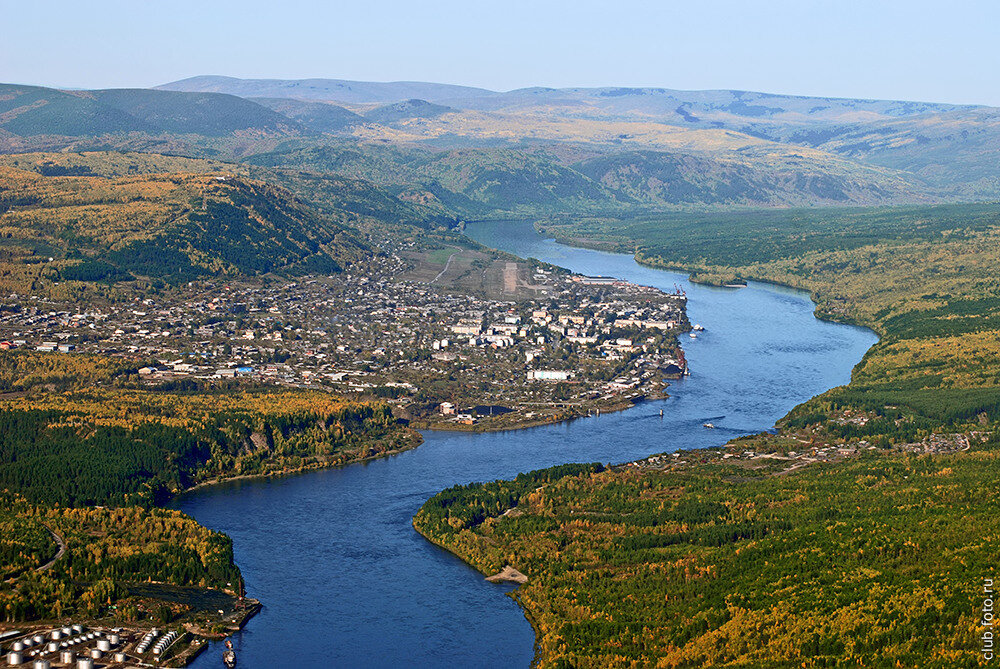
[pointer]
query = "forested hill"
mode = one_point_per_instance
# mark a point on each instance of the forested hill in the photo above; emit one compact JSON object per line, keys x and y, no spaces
{"x":33,"y":110}
{"x":62,"y":224}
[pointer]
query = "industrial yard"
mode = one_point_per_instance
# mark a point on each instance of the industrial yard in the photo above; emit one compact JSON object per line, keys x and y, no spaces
{"x":83,"y":647}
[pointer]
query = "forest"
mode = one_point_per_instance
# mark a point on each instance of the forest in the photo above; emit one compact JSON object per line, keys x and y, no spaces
{"x":107,"y":549}
{"x":107,"y":445}
{"x":720,"y":565}
{"x":75,"y":229}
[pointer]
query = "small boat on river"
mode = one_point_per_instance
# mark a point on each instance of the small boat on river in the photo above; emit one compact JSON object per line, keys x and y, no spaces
{"x":708,"y":425}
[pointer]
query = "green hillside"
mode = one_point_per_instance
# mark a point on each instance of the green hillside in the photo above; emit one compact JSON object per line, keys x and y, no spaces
{"x":30,"y":110}
{"x":407,"y":109}
{"x":83,"y":229}
{"x":316,"y":116}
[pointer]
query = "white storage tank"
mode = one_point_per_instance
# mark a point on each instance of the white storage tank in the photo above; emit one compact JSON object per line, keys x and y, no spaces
{"x":77,"y":628}
{"x":52,"y":647}
{"x":66,"y":631}
{"x":43,"y":664}
{"x":84,"y":663}
{"x":14,"y":658}
{"x":18,"y":645}
{"x":67,"y":657}
{"x":38,"y":638}
{"x":104,"y":644}
{"x":121,"y":657}
{"x":96,"y":653}
{"x":114,"y":639}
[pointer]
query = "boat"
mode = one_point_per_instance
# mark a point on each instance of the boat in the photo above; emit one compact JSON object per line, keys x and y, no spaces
{"x":692,"y":335}
{"x":229,"y":657}
{"x":698,"y":327}
{"x":708,"y":425}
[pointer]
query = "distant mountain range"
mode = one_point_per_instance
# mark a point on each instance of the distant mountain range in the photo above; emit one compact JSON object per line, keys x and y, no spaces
{"x":663,"y":103}
{"x":444,"y":150}
{"x":325,"y":89}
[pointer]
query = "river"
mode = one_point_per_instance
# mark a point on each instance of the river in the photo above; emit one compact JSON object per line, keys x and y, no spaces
{"x":347,"y":582}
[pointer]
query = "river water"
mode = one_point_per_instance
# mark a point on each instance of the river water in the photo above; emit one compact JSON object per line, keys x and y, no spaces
{"x":347,"y":582}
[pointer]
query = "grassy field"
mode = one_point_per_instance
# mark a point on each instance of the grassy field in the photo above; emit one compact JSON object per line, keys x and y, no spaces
{"x":471,"y":269}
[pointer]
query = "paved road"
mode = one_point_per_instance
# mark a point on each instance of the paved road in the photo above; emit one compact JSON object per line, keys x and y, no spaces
{"x":62,"y":549}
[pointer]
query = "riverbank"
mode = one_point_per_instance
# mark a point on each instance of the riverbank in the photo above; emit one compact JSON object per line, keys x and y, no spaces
{"x":715,"y":277}
{"x":515,"y":422}
{"x":677,"y":542}
{"x":414,"y":440}
{"x":352,"y":515}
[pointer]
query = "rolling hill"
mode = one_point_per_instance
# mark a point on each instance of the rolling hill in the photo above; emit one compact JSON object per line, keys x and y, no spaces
{"x":947,"y":151}
{"x":63,"y":221}
{"x":30,"y":110}
{"x":536,"y":180}
{"x":537,"y":151}
{"x":316,"y":116}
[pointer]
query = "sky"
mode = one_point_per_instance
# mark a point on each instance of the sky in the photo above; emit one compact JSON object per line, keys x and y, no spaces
{"x":913,"y":50}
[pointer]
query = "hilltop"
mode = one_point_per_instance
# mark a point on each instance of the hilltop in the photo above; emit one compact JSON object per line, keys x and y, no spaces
{"x":76,"y":222}
{"x":32,"y":110}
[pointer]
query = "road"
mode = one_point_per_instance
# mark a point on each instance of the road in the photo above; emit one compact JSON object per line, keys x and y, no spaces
{"x":446,"y":266}
{"x":62,"y":549}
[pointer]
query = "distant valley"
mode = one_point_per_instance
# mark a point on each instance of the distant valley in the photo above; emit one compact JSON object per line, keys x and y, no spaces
{"x":460,"y":152}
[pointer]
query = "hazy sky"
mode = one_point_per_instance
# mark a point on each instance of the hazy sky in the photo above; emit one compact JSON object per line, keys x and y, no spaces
{"x":913,"y":50}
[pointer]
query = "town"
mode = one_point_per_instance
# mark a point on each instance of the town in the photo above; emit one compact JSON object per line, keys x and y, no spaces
{"x":547,"y":346}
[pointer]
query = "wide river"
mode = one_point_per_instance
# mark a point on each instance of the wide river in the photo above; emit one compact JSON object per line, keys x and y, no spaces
{"x":347,"y":582}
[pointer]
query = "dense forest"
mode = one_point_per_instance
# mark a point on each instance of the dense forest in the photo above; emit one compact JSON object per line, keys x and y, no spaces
{"x":122,"y":445}
{"x":106,"y":550}
{"x":720,"y":565}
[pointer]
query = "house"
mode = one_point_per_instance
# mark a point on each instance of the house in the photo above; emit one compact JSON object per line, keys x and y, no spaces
{"x":549,"y":375}
{"x":447,"y":409}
